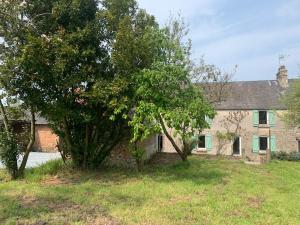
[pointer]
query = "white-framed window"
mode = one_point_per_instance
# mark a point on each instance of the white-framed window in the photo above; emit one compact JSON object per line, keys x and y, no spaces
{"x":263,"y":143}
{"x":263,"y":117}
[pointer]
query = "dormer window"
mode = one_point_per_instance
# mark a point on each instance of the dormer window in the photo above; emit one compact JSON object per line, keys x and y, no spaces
{"x":263,"y":117}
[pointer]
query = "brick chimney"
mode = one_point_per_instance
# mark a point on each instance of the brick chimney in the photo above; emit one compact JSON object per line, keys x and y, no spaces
{"x":282,"y":77}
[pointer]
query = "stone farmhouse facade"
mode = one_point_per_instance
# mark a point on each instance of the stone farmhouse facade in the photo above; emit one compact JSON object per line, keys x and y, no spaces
{"x":260,"y":129}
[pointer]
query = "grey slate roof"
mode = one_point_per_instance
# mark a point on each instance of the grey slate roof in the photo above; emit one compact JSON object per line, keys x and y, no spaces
{"x":39,"y":120}
{"x":259,"y":95}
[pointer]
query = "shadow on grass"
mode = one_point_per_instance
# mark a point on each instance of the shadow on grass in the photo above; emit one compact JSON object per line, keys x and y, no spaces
{"x":43,"y":209}
{"x":196,"y":170}
{"x":77,"y":198}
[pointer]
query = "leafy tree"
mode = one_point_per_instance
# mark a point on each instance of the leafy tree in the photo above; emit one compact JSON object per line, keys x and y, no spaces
{"x":168,"y":101}
{"x":13,"y":29}
{"x":292,"y":101}
{"x":73,"y":60}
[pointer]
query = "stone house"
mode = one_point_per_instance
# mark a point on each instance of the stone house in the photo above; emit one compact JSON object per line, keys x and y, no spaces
{"x":259,"y":128}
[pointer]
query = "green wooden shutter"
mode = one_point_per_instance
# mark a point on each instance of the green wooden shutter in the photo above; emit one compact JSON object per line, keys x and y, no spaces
{"x":273,"y":144}
{"x":208,"y":120}
{"x":255,"y":144}
{"x":255,"y":118}
{"x":272,"y":118}
{"x":208,"y":142}
{"x":194,"y":141}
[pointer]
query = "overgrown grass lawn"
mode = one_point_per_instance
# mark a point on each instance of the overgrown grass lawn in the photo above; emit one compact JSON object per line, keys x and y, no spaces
{"x":203,"y":191}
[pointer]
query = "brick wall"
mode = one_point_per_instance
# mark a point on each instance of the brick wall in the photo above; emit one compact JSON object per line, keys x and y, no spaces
{"x":45,"y":139}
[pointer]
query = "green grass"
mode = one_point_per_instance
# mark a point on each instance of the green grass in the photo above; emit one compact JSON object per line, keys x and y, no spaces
{"x":199,"y":192}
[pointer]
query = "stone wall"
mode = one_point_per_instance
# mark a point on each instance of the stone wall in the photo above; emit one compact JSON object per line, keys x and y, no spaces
{"x":120,"y":156}
{"x":286,"y":138}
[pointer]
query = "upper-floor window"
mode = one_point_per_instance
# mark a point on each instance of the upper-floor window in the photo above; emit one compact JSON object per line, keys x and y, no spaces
{"x":263,"y":117}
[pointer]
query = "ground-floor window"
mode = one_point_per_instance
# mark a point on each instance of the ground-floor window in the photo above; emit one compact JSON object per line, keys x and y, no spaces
{"x":298,"y":145}
{"x":201,"y":141}
{"x":263,"y":143}
{"x":237,"y":146}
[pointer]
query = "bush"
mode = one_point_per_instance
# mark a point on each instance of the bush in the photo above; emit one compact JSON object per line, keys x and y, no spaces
{"x":9,"y":153}
{"x":293,"y":156}
{"x":138,"y":154}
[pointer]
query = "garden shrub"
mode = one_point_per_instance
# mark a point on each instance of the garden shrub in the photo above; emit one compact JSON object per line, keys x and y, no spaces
{"x":138,"y":154}
{"x":9,"y":153}
{"x":293,"y":156}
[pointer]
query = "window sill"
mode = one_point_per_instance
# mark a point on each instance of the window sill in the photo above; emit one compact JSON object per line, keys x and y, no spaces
{"x":262,"y":152}
{"x":264,"y":125}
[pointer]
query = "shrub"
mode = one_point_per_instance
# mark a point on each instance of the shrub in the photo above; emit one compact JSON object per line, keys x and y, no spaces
{"x":293,"y":156}
{"x":9,"y":153}
{"x":138,"y":154}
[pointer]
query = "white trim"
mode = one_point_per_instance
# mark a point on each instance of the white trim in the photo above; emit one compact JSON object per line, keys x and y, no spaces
{"x":267,"y":112}
{"x":268,"y":142}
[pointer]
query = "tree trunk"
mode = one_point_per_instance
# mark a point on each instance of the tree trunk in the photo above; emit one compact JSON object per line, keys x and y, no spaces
{"x":30,"y":144}
{"x":5,"y":119}
{"x":176,"y":147}
{"x":86,"y":146}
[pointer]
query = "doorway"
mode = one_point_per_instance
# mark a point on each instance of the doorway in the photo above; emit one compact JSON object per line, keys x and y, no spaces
{"x":237,"y":146}
{"x":160,"y":143}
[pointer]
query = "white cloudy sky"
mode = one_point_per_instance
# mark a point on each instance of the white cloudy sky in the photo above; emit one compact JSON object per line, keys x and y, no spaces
{"x":248,"y":33}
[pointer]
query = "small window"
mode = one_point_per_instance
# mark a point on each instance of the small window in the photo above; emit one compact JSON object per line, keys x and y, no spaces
{"x":201,"y":142}
{"x":263,"y":118}
{"x":263,"y":143}
{"x":298,"y":145}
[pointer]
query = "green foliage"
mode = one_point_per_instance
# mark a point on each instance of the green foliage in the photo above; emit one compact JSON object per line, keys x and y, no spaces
{"x":138,"y":153}
{"x":190,"y":143}
{"x":166,"y":96}
{"x":292,"y":101}
{"x":227,"y":136}
{"x":9,"y":153}
{"x":293,"y":156}
{"x":82,"y":84}
{"x":53,"y":167}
